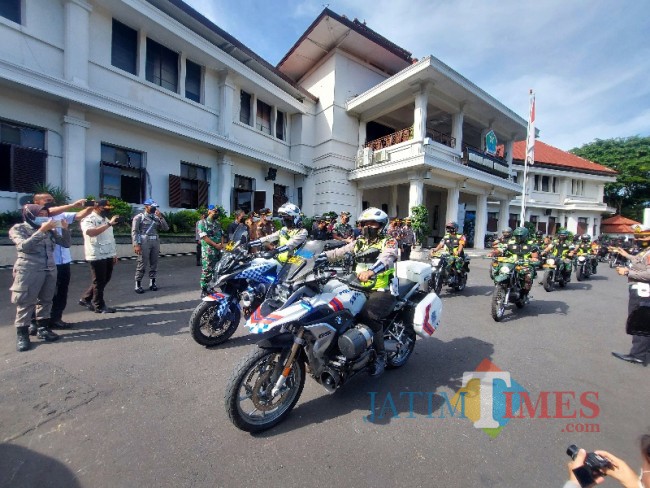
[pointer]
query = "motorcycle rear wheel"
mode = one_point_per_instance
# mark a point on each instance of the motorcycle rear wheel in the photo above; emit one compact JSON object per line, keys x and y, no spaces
{"x":208,"y":334}
{"x":248,"y":399}
{"x":548,"y":281}
{"x":580,"y":273}
{"x":437,"y":283}
{"x":498,"y":303}
{"x":405,"y":336}
{"x":462,"y":277}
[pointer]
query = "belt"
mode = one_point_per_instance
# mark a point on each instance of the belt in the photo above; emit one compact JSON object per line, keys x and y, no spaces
{"x":151,"y":238}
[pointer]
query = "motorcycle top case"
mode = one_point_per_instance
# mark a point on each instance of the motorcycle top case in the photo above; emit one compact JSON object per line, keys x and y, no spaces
{"x":413,"y":271}
{"x":426,"y":318}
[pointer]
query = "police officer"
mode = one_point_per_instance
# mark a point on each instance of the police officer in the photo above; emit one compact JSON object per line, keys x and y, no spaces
{"x":343,"y":231}
{"x":146,"y":242}
{"x":322,"y":232}
{"x":212,"y":243}
{"x":381,"y":301}
{"x":290,"y":236}
{"x":408,"y":240}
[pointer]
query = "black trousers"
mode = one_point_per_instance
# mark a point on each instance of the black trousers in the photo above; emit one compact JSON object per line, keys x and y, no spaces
{"x":101,"y":271}
{"x":379,"y":306}
{"x":406,"y":252}
{"x":60,"y":299}
{"x":637,"y":323}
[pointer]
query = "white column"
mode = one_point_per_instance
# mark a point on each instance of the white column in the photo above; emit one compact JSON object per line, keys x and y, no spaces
{"x":182,"y":73}
{"x":480,"y":225}
{"x":362,"y":133}
{"x":590,"y":226}
{"x":224,"y":181}
{"x":142,"y":54}
{"x":572,"y":223}
{"x":453,"y":194}
{"x":504,"y":214}
{"x":76,"y":41}
{"x":392,"y":207}
{"x":74,"y":154}
{"x":508,"y":156}
{"x":457,"y":129}
{"x":359,"y":204}
{"x":254,"y":111}
{"x":420,"y":114}
{"x":226,"y":103}
{"x":416,"y":193}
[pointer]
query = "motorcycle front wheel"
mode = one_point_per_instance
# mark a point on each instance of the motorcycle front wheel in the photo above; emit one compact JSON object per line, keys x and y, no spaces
{"x":580,"y":273}
{"x":498,"y":303}
{"x":548,"y":280}
{"x":248,"y":399}
{"x":437,"y":283}
{"x":461,"y":281}
{"x":208,"y":329}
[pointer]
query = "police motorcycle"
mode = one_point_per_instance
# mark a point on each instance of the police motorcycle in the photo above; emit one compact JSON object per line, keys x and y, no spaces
{"x":243,"y":279}
{"x":312,"y":327}
{"x":445,"y":272}
{"x":509,"y":282}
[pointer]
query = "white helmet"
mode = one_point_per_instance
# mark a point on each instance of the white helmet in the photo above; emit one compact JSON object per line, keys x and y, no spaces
{"x":373,"y":214}
{"x":290,"y":211}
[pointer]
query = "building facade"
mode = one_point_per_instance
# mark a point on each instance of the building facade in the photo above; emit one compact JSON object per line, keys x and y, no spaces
{"x":148,"y":98}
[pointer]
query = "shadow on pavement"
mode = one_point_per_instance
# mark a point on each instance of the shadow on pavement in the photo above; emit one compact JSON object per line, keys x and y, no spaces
{"x":21,"y":467}
{"x":444,"y":364}
{"x":469,"y":291}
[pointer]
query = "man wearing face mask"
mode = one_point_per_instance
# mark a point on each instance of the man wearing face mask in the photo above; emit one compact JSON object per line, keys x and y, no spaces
{"x":380,"y":301}
{"x":35,"y":272}
{"x":290,"y":236}
{"x":146,"y":243}
{"x":101,"y":254}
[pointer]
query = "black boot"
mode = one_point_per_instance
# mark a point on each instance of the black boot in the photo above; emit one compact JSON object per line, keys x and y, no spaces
{"x":378,"y":367}
{"x":33,"y":328}
{"x":138,"y":287}
{"x":44,"y":332}
{"x":22,"y":339}
{"x":152,"y":284}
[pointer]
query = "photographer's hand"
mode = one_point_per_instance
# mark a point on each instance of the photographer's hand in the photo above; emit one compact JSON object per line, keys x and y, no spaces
{"x":115,"y":219}
{"x":578,"y":462}
{"x":621,"y":471}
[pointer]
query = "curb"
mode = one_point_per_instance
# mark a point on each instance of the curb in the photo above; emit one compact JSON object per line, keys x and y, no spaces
{"x":126,"y":258}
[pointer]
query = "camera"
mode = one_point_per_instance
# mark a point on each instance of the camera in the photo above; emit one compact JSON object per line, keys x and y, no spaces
{"x":591,"y":469}
{"x":120,"y":220}
{"x":89,"y":203}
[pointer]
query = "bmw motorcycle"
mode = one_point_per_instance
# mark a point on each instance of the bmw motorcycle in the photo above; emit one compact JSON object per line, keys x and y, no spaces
{"x":445,"y":273}
{"x":243,"y":280}
{"x":556,"y":271}
{"x":509,"y":282}
{"x":314,"y":331}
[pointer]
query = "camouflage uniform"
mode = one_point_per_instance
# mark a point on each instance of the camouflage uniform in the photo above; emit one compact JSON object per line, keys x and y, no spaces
{"x":343,"y":230}
{"x":209,"y":255}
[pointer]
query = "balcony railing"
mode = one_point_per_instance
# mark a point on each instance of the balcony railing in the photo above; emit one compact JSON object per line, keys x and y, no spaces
{"x":391,"y":139}
{"x":441,"y":138}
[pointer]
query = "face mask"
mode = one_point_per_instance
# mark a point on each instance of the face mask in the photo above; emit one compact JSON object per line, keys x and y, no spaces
{"x":152,"y":210}
{"x":41,"y":220}
{"x":104,"y":213}
{"x":370,"y":233}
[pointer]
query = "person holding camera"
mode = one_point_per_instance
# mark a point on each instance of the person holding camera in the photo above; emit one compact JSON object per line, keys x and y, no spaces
{"x":62,"y":256}
{"x":101,"y":253}
{"x":35,"y":272}
{"x":589,"y":469}
{"x":146,"y":243}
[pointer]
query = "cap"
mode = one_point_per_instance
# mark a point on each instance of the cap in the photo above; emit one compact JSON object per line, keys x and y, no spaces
{"x":265,"y":211}
{"x":150,"y":203}
{"x":347,"y":214}
{"x":211,"y":207}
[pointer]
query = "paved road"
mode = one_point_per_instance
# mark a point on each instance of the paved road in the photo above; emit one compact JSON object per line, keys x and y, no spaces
{"x":130,"y":400}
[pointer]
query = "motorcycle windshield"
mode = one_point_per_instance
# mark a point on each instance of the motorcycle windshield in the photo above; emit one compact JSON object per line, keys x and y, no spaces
{"x":302,"y":262}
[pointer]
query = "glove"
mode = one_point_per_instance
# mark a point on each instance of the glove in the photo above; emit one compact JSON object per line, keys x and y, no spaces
{"x":321,"y":260}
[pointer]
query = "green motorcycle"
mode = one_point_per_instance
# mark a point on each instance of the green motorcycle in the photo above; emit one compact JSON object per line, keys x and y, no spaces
{"x":509,"y":286}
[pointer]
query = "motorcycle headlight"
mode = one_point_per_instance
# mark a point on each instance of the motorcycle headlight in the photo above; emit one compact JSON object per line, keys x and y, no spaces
{"x":550,"y":261}
{"x":581,"y":258}
{"x":504,"y":269}
{"x":435,"y":262}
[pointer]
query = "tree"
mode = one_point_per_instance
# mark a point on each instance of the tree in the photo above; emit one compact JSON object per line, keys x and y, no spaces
{"x":419,"y":219}
{"x":630,"y":156}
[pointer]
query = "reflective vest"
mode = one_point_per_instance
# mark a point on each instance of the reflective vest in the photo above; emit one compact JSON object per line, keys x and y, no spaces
{"x":285,"y":236}
{"x":561,"y":249}
{"x":522,"y":251}
{"x":383,"y":278}
{"x":452,"y":242}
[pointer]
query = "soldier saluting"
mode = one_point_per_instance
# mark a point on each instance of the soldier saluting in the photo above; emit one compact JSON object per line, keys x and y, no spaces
{"x":146,"y":242}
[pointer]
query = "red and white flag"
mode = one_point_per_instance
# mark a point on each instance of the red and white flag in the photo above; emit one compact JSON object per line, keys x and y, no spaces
{"x":530,"y":138}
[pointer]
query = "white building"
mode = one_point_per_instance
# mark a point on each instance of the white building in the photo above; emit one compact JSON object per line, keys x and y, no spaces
{"x":148,"y":98}
{"x":563,"y":190}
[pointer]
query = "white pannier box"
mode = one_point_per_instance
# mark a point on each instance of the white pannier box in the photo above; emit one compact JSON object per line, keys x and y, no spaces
{"x":414,"y":271}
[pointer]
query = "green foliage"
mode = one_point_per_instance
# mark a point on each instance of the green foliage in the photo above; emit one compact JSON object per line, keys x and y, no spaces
{"x":124,"y":210}
{"x":278,"y":225}
{"x":531,"y":226}
{"x":9,"y":219}
{"x":307,"y":222}
{"x":183,"y":221}
{"x":630,"y":156}
{"x":61,"y":197}
{"x":420,"y":222}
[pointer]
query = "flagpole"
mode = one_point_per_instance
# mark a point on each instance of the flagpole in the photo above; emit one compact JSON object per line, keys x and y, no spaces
{"x":530,"y":155}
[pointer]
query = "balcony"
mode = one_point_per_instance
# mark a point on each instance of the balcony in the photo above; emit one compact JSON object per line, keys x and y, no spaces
{"x":391,"y":139}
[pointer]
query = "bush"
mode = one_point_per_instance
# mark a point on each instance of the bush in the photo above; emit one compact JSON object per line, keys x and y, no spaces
{"x":419,"y":221}
{"x":9,"y":219}
{"x":61,"y":197}
{"x":183,"y":221}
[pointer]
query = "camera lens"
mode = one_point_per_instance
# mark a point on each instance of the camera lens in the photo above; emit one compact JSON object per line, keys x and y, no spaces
{"x":572,"y":451}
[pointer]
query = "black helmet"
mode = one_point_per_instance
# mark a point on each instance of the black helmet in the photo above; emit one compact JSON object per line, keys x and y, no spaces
{"x":585,"y":237}
{"x":451,"y":226}
{"x":563,"y":234}
{"x":520,"y":234}
{"x":539,"y":233}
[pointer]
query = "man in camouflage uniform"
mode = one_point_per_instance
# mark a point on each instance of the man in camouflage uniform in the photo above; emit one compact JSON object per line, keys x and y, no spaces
{"x":344,"y":231}
{"x":146,"y":243}
{"x":212,"y":242}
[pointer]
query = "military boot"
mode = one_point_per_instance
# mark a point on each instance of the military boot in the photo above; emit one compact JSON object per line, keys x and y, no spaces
{"x":377,"y":368}
{"x":22,"y":339}
{"x":44,"y":332}
{"x":152,"y":284}
{"x":138,"y":287}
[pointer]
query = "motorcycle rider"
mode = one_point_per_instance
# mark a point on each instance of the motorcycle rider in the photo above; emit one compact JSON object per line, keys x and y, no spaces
{"x":585,"y":248}
{"x":381,"y":301}
{"x":520,"y":249}
{"x":453,"y":243}
{"x":562,"y":249}
{"x":290,"y":236}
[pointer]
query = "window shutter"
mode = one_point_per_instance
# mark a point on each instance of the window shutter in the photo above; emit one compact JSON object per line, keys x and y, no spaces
{"x":202,"y":193}
{"x":259,"y":200}
{"x":174,"y":191}
{"x":28,"y":169}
